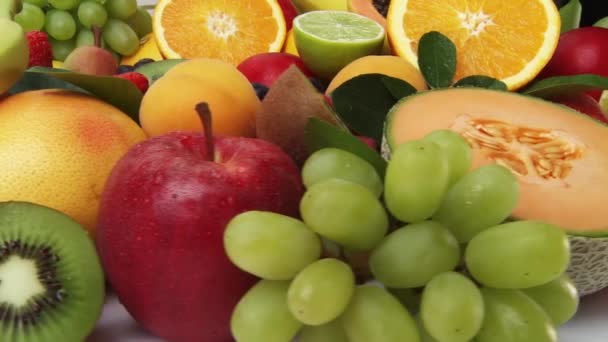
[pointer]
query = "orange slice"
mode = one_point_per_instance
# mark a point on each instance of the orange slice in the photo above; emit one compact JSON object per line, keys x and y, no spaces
{"x":508,"y":40}
{"x":227,"y":30}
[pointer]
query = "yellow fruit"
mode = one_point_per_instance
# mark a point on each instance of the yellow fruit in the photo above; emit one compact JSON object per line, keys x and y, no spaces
{"x":147,"y":49}
{"x":57,"y":149}
{"x":508,"y":40}
{"x":57,"y":64}
{"x":290,"y":44}
{"x":317,"y":5}
{"x":169,"y":103}
{"x":393,"y":66}
{"x":227,"y":30}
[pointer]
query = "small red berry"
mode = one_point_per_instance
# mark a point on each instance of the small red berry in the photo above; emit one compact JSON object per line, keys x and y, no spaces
{"x":136,"y":78}
{"x":41,"y":53}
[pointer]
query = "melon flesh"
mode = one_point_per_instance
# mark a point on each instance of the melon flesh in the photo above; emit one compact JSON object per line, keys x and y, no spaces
{"x":560,"y":156}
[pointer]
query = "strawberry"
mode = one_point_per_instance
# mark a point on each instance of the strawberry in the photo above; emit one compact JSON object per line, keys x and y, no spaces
{"x":136,"y":78}
{"x":41,"y":53}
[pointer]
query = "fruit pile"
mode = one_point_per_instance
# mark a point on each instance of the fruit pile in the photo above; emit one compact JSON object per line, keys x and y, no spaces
{"x":326,"y":170}
{"x":456,"y":263}
{"x":70,"y":24}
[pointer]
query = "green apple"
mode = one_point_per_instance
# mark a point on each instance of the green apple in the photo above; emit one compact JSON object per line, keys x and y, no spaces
{"x":14,"y":51}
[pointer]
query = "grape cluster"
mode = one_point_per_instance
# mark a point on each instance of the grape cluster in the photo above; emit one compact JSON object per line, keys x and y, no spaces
{"x":426,"y":253}
{"x":70,"y":23}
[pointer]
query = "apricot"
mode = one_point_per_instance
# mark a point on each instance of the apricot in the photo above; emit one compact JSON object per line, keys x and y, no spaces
{"x":393,"y":66}
{"x":169,"y":103}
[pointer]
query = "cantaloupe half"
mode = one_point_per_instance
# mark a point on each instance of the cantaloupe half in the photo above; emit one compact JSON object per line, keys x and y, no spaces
{"x":559,"y":155}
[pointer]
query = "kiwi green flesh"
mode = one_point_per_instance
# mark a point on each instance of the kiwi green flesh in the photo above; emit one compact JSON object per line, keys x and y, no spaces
{"x":51,"y":280}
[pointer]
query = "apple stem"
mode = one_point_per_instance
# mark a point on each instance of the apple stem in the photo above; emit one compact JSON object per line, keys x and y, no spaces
{"x":204,"y":113}
{"x":97,"y":35}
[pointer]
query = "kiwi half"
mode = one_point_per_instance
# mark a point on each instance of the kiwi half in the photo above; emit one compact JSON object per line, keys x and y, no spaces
{"x":51,"y":280}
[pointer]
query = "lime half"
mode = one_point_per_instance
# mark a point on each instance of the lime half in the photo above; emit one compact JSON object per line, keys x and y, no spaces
{"x":328,"y":40}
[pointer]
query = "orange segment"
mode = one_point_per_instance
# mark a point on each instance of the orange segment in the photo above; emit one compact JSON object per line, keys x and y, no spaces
{"x":226,"y":30}
{"x":508,"y":40}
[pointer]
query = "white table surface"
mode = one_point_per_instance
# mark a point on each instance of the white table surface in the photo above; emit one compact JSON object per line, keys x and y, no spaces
{"x":589,"y":325}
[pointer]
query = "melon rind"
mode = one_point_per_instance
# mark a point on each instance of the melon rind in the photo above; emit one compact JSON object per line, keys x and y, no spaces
{"x":588,"y":250}
{"x":588,"y":263}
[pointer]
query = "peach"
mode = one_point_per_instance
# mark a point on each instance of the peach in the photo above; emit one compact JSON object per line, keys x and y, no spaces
{"x":393,"y":66}
{"x":169,"y":103}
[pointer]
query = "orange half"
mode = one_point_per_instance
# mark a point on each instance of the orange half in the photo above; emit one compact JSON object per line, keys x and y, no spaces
{"x":508,"y":40}
{"x":227,"y":30}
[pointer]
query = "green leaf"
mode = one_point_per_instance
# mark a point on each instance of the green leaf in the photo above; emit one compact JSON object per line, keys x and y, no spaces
{"x":437,"y":59}
{"x":397,"y":87}
{"x":570,"y":15}
{"x":36,"y":81}
{"x":320,"y":134}
{"x":481,"y":81}
{"x":118,"y":92}
{"x":558,"y":85}
{"x":602,"y":22}
{"x":363,"y":101}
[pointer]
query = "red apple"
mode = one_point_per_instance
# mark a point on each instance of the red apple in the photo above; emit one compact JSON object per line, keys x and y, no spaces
{"x":583,"y":103}
{"x":265,"y":68}
{"x":289,"y":12}
{"x":580,"y":51}
{"x":161,"y":223}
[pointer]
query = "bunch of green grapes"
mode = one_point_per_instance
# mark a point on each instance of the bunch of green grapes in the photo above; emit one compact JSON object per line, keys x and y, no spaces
{"x":442,"y":261}
{"x":70,"y":23}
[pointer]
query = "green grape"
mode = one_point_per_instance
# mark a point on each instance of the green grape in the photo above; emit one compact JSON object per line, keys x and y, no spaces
{"x":457,"y":150}
{"x":85,"y":37}
{"x":375,"y":315}
{"x":64,"y":4}
{"x":416,"y":179}
{"x":270,"y":245}
{"x":321,"y":291}
{"x":518,"y":255}
{"x":424,"y":334}
{"x":481,"y":199}
{"x":262,"y":314}
{"x":121,"y":9}
{"x":328,"y":332}
{"x":451,"y":307}
{"x":92,"y":13}
{"x":344,"y":212}
{"x":559,"y":298}
{"x":120,"y":37}
{"x":412,"y":255}
{"x":31,"y":18}
{"x":410,"y":298}
{"x":62,"y":48}
{"x":511,"y":316}
{"x":60,"y":25}
{"x":331,"y":162}
{"x":140,"y":22}
{"x":37,"y":3}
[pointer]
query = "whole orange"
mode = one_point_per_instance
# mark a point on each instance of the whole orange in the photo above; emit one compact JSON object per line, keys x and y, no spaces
{"x":57,"y":149}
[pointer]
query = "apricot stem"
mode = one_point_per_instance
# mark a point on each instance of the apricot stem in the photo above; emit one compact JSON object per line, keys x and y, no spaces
{"x":204,"y":113}
{"x":96,"y":35}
